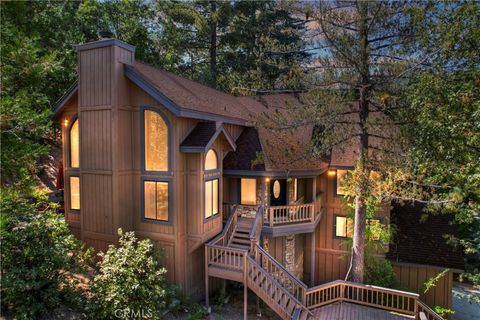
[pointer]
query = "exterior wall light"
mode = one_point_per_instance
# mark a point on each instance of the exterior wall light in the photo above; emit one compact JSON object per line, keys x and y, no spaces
{"x":267,"y":179}
{"x":332,"y":172}
{"x":65,"y":123}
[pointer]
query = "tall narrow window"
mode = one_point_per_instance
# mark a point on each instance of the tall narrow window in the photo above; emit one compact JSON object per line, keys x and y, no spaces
{"x":156,"y":200}
{"x":248,"y":191}
{"x":211,"y":160}
{"x":340,"y":189}
{"x":343,"y":227}
{"x":156,"y":142}
{"x":211,"y":198}
{"x":74,"y":193}
{"x":74,"y":145}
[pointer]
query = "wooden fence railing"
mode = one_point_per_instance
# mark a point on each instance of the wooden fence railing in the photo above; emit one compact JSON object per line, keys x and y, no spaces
{"x":294,"y":213}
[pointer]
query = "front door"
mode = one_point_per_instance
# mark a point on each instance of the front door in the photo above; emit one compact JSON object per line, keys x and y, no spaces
{"x":278,"y":192}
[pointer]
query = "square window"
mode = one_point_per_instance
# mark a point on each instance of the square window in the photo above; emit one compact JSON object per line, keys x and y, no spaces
{"x":156,"y":200}
{"x":343,"y":227}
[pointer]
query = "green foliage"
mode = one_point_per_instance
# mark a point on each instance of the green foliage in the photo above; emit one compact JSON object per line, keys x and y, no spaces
{"x":379,"y":272}
{"x":443,"y":312}
{"x":197,"y":311}
{"x":443,"y":116}
{"x":37,"y":251}
{"x":239,"y":47}
{"x":432,"y":282}
{"x":129,"y":279}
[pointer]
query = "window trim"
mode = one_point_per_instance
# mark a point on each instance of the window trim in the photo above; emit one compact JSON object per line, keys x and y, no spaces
{"x":69,"y":193}
{"x":218,"y":214}
{"x":169,"y":221}
{"x":69,"y":146}
{"x":335,"y":215}
{"x":142,"y":138}
{"x":335,"y":194}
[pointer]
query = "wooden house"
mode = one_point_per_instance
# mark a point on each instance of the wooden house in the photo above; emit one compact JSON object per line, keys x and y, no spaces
{"x":177,"y":162}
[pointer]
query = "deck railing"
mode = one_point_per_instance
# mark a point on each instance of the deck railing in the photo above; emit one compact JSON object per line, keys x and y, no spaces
{"x":372,"y":296}
{"x":226,"y":257}
{"x":294,"y":213}
{"x":223,"y":238}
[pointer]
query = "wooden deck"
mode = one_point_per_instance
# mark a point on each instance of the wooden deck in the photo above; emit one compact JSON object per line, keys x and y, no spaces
{"x":350,"y":311}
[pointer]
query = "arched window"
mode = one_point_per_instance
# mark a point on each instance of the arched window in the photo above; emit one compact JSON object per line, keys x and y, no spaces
{"x":74,"y":138}
{"x":156,"y":142}
{"x":211,"y":162}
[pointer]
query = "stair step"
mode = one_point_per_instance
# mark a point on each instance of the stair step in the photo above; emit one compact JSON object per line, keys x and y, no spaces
{"x":241,"y":234}
{"x":240,"y":240}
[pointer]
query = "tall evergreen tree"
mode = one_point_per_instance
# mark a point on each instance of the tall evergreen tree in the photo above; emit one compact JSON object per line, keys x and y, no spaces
{"x":239,"y":47}
{"x":352,"y":96}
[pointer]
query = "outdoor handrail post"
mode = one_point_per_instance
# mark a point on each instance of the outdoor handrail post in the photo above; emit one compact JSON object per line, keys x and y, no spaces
{"x":312,"y":213}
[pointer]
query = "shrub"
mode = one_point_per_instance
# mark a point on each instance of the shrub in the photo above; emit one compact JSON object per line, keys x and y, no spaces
{"x":379,"y":272}
{"x":37,"y":249}
{"x":130,"y":282}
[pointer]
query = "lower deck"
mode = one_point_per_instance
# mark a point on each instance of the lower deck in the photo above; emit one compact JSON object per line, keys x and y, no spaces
{"x":350,"y":311}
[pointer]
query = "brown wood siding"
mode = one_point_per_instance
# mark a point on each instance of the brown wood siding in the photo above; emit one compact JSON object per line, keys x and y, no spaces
{"x":96,"y":140}
{"x":412,"y":277}
{"x":97,"y":215}
{"x":96,"y":77}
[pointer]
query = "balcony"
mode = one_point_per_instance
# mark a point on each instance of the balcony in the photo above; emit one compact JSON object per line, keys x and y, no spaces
{"x":292,"y":219}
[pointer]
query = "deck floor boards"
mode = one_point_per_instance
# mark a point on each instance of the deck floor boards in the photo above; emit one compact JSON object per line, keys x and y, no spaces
{"x":350,"y":311}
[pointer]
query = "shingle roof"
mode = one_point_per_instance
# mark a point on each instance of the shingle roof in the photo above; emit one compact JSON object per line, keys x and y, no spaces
{"x":200,"y":135}
{"x":191,"y":95}
{"x":248,"y":145}
{"x":201,"y":138}
{"x":423,"y":242}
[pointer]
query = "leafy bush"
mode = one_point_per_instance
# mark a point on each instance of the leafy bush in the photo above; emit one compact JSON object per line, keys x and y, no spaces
{"x":130,"y":282}
{"x":37,"y":250}
{"x":379,"y":272}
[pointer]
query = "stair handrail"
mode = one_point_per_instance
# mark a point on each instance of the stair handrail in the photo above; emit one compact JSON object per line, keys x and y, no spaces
{"x":231,"y":222}
{"x":426,"y":311}
{"x":279,"y":285}
{"x":256,"y":227}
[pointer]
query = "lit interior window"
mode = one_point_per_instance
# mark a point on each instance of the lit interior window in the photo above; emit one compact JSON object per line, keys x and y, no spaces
{"x":211,"y":198}
{"x":211,"y":160}
{"x":156,"y":200}
{"x":248,"y":191}
{"x":75,"y":193}
{"x":340,"y":176}
{"x":343,"y":227}
{"x":156,"y":142}
{"x":74,"y":145}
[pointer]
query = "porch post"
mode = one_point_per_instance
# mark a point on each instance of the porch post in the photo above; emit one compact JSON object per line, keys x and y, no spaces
{"x":312,"y":260}
{"x":207,"y":302}
{"x":245,"y":287}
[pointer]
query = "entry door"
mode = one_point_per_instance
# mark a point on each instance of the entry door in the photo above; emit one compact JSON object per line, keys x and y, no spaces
{"x":278,"y":192}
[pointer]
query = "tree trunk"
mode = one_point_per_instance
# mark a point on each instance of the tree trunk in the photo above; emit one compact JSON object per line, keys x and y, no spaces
{"x":213,"y":44}
{"x":361,"y":188}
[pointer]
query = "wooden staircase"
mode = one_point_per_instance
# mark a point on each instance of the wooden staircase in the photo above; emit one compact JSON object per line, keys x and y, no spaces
{"x":241,"y":235}
{"x":236,"y":255}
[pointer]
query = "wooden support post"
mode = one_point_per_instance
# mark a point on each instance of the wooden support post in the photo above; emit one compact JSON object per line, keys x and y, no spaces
{"x":245,"y":287}
{"x":312,"y":260}
{"x":207,"y":302}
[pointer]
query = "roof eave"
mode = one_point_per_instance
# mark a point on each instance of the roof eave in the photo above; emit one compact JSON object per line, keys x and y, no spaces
{"x":64,"y":99}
